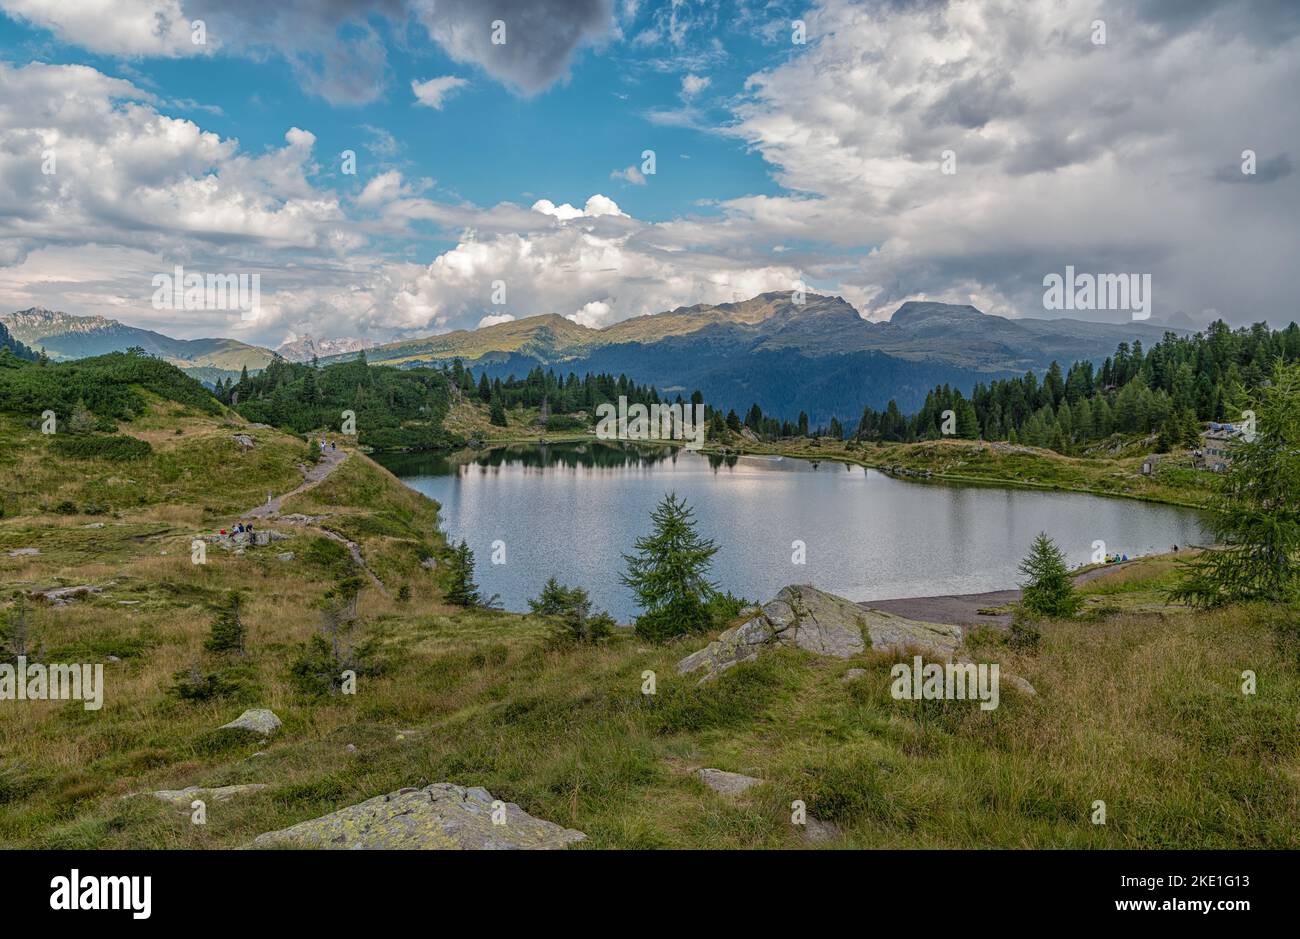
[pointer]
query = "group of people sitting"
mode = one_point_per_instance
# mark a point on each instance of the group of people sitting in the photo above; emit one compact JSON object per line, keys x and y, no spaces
{"x":240,"y":528}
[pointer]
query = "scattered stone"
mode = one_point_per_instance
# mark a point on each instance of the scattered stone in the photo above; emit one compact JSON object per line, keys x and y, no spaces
{"x":351,"y":748}
{"x":257,"y":720}
{"x":24,"y":552}
{"x":728,"y":784}
{"x":94,"y":525}
{"x":441,"y":816}
{"x":823,"y":624}
{"x":854,"y":674}
{"x":112,"y":658}
{"x":285,"y":556}
{"x":181,"y":798}
{"x":429,"y":563}
{"x":817,"y":831}
{"x":1020,"y":684}
{"x":244,"y":441}
{"x":297,"y":518}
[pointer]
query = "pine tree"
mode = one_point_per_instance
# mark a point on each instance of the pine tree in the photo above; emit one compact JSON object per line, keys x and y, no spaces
{"x":1256,"y":517}
{"x":669,"y":574}
{"x":1048,"y":589}
{"x":569,"y":610}
{"x":228,"y":634}
{"x":497,"y":414}
{"x":15,"y":633}
{"x":461,"y":589}
{"x":310,"y":393}
{"x":968,"y":422}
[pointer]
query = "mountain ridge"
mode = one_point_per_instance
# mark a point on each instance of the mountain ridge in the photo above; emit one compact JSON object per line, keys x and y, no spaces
{"x":66,"y":336}
{"x":818,"y":355}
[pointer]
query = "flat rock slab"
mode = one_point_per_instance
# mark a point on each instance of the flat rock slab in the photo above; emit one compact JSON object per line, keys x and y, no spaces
{"x":728,"y":784}
{"x":257,"y":720}
{"x":821,"y":623}
{"x":438,"y":817}
{"x":181,"y":798}
{"x":62,"y":596}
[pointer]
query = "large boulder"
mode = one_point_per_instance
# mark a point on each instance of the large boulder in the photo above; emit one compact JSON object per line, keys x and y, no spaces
{"x":437,"y":817}
{"x":821,"y":623}
{"x":261,"y":721}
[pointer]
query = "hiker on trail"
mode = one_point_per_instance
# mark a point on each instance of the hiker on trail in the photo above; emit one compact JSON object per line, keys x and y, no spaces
{"x":334,"y":446}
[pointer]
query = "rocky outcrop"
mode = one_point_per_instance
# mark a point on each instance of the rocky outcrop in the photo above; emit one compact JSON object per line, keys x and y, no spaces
{"x":241,"y":540}
{"x":62,"y":596}
{"x":438,"y":817}
{"x":824,"y":624}
{"x":259,"y":721}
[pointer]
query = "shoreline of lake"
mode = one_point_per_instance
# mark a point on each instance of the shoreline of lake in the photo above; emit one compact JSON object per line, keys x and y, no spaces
{"x":571,"y":510}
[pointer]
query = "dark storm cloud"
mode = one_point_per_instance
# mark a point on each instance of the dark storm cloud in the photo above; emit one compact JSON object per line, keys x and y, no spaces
{"x":1264,"y":21}
{"x":541,"y":36}
{"x":1268,"y":170}
{"x":334,"y":49}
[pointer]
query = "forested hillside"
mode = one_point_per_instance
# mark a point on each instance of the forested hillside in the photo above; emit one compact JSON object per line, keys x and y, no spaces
{"x":391,"y":408}
{"x":1168,"y":389}
{"x":109,"y":386}
{"x":13,"y":346}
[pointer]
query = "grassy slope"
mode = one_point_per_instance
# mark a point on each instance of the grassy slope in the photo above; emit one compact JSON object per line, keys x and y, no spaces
{"x":1138,"y":708}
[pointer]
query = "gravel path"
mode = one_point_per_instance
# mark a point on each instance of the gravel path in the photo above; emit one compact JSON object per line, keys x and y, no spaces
{"x":330,"y":461}
{"x":962,"y":609}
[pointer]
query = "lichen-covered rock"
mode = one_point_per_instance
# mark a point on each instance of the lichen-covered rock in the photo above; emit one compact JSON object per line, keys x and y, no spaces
{"x":821,"y":623}
{"x":257,"y":720}
{"x":181,"y":798}
{"x":727,"y":784}
{"x":438,"y":817}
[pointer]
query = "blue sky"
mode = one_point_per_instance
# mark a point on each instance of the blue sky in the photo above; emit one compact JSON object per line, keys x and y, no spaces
{"x":486,"y":144}
{"x":778,"y":162}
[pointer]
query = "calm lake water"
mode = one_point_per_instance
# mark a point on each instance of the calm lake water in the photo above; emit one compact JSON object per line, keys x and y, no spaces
{"x":571,"y":510}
